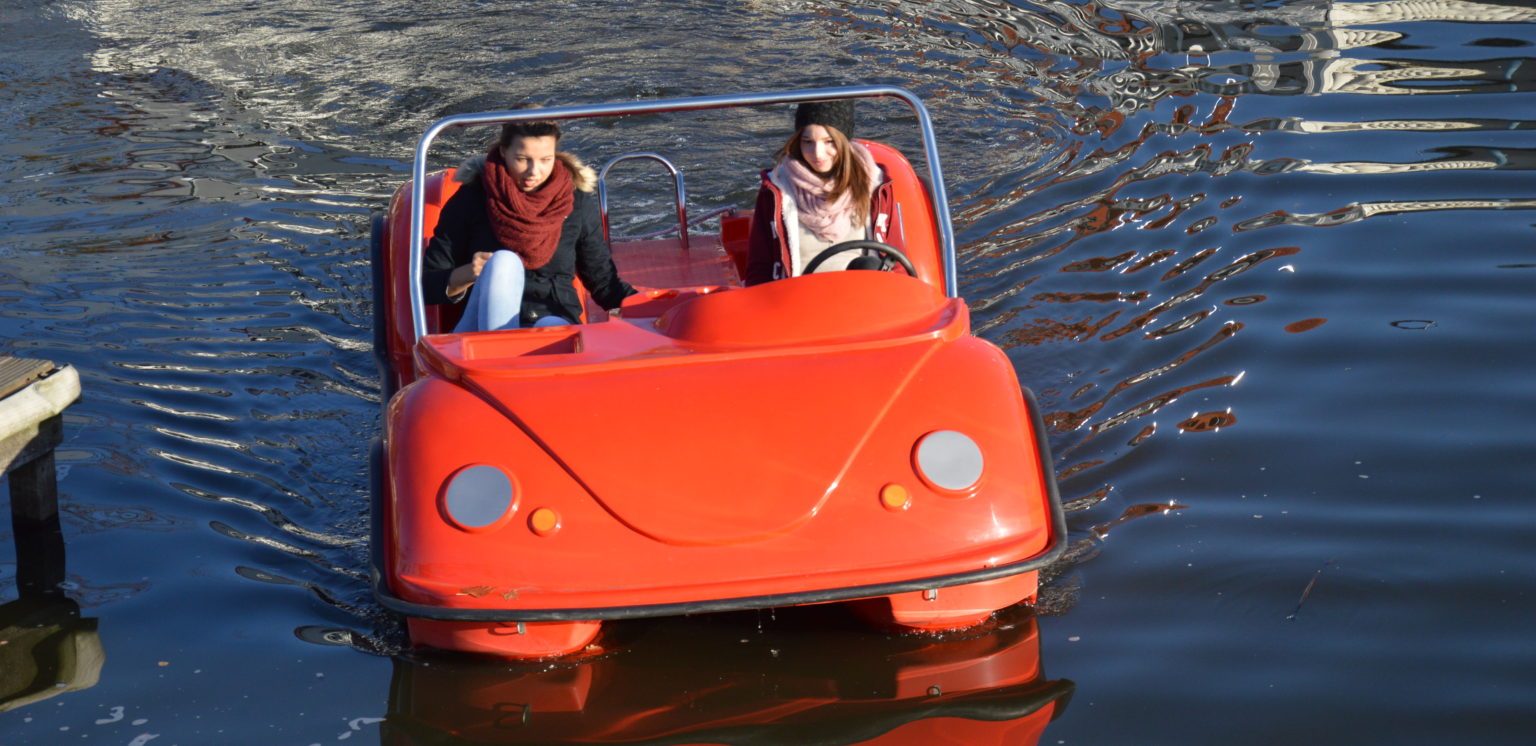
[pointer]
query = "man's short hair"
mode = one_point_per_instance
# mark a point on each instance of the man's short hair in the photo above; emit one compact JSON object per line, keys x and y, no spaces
{"x":535,"y":128}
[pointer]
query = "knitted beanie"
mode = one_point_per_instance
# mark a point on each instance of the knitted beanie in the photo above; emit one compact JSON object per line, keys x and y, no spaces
{"x":835,"y":114}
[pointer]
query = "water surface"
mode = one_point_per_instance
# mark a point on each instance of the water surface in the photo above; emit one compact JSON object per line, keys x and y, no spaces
{"x":1271,"y":262}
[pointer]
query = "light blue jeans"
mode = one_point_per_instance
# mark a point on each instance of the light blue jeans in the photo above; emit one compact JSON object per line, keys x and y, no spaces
{"x":496,"y":298}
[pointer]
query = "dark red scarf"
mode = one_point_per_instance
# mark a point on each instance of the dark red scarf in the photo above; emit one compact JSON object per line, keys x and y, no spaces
{"x":527,"y":223}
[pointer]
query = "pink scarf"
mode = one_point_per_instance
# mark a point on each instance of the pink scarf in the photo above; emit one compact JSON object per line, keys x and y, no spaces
{"x":827,"y":221}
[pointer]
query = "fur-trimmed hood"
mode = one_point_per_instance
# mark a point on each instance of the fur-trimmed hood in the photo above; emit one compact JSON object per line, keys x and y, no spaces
{"x":582,"y":175}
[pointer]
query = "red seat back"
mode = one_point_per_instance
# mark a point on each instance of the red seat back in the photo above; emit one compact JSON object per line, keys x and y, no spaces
{"x":915,"y":229}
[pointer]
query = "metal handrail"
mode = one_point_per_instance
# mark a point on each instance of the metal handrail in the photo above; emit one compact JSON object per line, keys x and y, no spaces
{"x":677,"y":183}
{"x":693,"y":221}
{"x":698,"y":103}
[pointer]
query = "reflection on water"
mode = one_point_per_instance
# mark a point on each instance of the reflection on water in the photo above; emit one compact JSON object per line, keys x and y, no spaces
{"x":47,"y":648}
{"x":1305,"y":325}
{"x":1137,"y":184}
{"x":808,"y":676}
{"x":1208,"y":422}
{"x":1134,"y":512}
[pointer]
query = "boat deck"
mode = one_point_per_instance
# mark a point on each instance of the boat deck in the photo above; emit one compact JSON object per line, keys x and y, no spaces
{"x":664,"y":263}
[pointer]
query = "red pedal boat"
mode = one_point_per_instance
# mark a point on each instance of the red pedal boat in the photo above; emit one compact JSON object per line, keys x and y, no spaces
{"x":829,"y":437}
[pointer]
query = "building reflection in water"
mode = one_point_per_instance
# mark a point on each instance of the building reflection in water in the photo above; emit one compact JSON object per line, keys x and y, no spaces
{"x":1293,"y":48}
{"x":811,"y":676}
{"x":1273,"y":48}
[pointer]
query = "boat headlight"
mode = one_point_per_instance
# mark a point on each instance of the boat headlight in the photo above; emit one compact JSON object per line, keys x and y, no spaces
{"x":949,"y":462}
{"x":479,"y":498}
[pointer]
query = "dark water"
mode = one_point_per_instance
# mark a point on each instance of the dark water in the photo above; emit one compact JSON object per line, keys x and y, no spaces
{"x":1272,"y":262}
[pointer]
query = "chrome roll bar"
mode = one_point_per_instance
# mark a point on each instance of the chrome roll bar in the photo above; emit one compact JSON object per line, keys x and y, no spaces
{"x":698,"y":103}
{"x":677,"y":182}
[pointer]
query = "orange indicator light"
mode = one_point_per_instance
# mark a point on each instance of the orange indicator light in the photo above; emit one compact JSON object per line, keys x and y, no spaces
{"x":544,"y":522}
{"x":894,"y":497}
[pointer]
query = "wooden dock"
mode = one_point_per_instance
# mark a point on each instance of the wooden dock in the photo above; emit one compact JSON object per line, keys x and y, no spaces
{"x":46,"y":648}
{"x":33,"y":395}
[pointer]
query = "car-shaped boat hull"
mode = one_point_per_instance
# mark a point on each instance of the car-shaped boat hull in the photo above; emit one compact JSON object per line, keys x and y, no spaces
{"x":717,"y":448}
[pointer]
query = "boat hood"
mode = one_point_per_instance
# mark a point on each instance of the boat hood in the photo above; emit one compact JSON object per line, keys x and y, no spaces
{"x":713,"y":452}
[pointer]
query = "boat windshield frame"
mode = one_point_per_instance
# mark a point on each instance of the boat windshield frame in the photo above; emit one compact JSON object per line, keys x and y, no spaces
{"x":660,"y":106}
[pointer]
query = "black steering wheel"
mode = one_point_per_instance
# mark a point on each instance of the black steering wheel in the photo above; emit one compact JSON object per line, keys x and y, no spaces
{"x":887,"y":251}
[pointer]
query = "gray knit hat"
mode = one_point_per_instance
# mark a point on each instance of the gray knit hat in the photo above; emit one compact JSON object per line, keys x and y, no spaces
{"x":835,"y":114}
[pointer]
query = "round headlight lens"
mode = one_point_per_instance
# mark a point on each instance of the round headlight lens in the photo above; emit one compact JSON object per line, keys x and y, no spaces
{"x":478,"y":496}
{"x":949,"y":460}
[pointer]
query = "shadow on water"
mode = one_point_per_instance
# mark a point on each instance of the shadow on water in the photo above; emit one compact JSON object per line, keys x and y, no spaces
{"x":1266,"y":260}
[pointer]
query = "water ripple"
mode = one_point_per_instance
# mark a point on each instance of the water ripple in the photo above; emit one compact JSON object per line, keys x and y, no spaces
{"x":185,"y":189}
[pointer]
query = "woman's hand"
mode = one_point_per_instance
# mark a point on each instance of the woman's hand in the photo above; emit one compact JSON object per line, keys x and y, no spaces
{"x":465,"y":275}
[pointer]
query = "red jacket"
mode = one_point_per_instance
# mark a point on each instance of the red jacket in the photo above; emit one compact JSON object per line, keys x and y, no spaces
{"x":768,"y":251}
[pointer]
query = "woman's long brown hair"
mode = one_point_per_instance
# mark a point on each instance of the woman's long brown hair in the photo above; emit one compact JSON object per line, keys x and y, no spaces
{"x":847,"y":175}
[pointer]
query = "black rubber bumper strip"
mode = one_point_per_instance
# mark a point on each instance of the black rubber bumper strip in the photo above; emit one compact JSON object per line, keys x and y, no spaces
{"x":394,"y":603}
{"x":381,"y":358}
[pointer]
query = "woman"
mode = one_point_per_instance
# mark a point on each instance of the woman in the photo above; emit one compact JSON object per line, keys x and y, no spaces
{"x":826,"y":189}
{"x":512,"y":239}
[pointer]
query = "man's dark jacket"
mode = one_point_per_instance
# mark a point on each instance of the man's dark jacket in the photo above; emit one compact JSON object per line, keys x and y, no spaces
{"x":463,"y":228}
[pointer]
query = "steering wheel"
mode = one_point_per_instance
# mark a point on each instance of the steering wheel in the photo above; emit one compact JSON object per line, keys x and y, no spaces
{"x":890,"y":252}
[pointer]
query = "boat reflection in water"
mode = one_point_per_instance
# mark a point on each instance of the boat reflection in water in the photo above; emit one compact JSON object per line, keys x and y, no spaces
{"x":810,"y":676}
